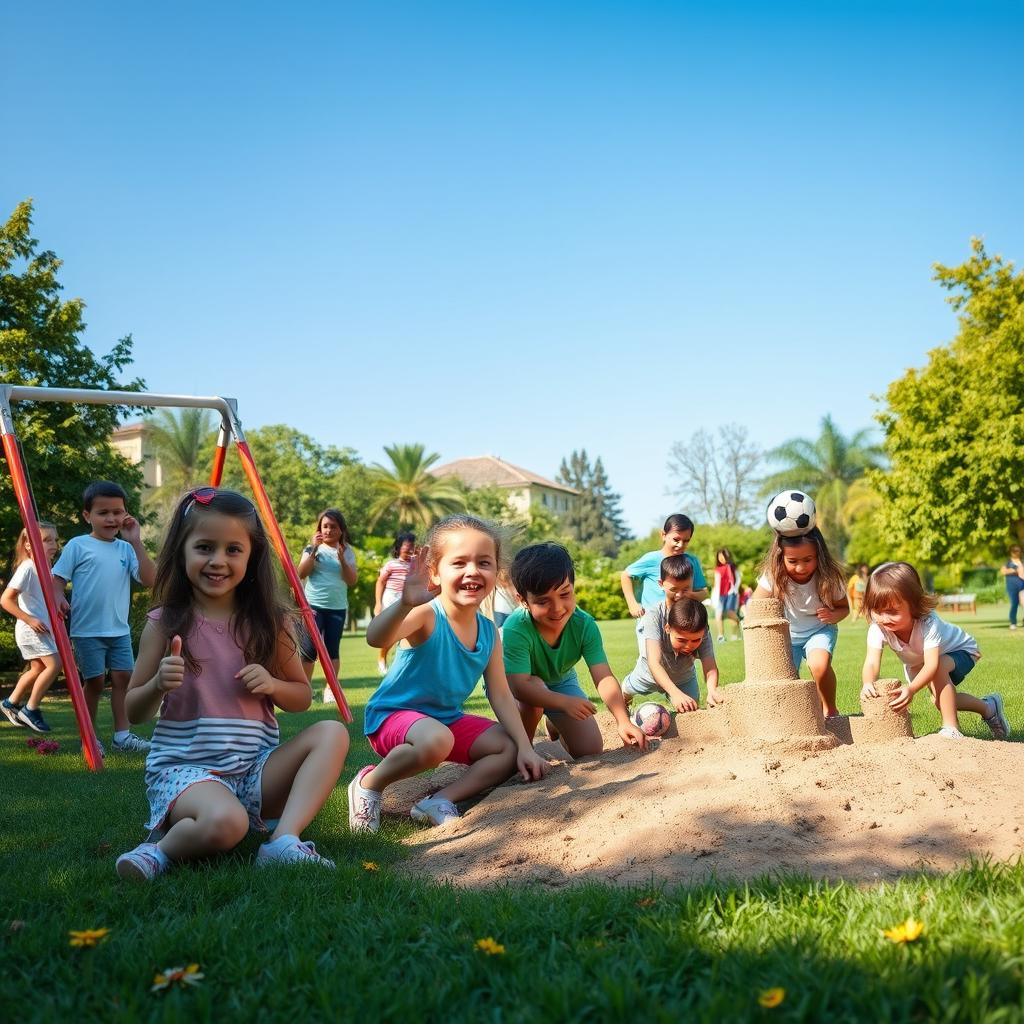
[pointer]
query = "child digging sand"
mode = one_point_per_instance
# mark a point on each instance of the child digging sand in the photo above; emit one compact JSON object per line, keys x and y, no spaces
{"x":544,"y":640}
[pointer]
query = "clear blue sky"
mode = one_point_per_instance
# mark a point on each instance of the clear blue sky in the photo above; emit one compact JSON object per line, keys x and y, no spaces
{"x":520,"y":228}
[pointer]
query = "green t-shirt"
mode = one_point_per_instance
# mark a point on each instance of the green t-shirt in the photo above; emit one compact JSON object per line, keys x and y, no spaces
{"x":528,"y":653}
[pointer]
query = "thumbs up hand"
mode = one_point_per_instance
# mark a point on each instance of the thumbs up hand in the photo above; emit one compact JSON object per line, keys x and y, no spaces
{"x":171,"y":673}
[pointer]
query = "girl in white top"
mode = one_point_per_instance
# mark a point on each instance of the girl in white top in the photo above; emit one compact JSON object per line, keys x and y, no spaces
{"x":23,"y":599}
{"x":934,"y":653}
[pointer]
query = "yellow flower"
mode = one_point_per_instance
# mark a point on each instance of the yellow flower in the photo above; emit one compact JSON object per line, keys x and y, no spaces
{"x":88,"y":937}
{"x":183,"y":976}
{"x":909,"y":931}
{"x":369,"y":865}
{"x":771,"y":997}
{"x":490,"y":947}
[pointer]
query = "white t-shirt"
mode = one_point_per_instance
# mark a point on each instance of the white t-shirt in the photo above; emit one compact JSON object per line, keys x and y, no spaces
{"x":30,"y":594}
{"x":800,"y":605}
{"x":100,"y":572}
{"x":928,"y":633}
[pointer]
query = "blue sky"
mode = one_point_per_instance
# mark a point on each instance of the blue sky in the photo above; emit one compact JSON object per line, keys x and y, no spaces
{"x":524,"y":228}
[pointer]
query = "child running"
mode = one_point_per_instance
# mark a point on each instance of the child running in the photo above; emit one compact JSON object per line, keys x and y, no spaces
{"x":544,"y":639}
{"x":415,"y":718}
{"x":811,"y":584}
{"x":675,"y":631}
{"x":390,"y":582}
{"x":935,"y":654}
{"x":23,"y":599}
{"x":676,"y":535}
{"x":216,"y":657}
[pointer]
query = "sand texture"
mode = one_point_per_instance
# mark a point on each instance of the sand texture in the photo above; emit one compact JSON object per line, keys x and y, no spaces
{"x":761,"y":785}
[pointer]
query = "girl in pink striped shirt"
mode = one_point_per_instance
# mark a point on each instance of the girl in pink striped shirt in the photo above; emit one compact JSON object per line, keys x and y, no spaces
{"x":217,"y":657}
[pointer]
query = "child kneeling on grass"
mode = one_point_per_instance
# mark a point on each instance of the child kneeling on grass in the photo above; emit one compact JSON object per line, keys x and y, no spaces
{"x":543,"y":642}
{"x":414,"y":720}
{"x":935,"y":654}
{"x":216,"y":657}
{"x":675,"y":633}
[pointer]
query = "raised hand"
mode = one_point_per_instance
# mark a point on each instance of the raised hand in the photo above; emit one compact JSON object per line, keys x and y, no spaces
{"x":317,"y":540}
{"x":418,"y":588}
{"x":171,"y":673}
{"x":130,"y":530}
{"x":257,"y":679}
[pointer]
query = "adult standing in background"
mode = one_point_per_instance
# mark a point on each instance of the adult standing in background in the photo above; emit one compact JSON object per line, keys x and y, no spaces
{"x":1013,"y":570}
{"x":328,"y":565}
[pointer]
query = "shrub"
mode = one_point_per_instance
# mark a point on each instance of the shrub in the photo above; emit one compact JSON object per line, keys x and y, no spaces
{"x":601,"y":596}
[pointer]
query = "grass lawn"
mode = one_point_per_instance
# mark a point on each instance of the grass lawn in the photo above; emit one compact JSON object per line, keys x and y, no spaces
{"x":376,"y":945}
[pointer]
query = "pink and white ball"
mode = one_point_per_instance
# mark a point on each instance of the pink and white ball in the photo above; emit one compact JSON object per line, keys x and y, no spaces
{"x":652,"y":719}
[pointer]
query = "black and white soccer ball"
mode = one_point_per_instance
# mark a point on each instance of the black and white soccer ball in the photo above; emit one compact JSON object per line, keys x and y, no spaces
{"x":791,"y":513}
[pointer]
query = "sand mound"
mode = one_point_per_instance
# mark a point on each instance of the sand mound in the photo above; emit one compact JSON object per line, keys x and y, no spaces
{"x":763,"y":784}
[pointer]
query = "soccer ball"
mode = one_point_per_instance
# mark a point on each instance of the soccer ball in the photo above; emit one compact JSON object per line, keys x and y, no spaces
{"x":791,"y":513}
{"x":652,"y":719}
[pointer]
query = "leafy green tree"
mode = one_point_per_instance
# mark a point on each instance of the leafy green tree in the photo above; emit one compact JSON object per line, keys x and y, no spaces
{"x":954,"y":430}
{"x":594,"y":519}
{"x":65,"y":446}
{"x":409,"y":492}
{"x":825,"y":468}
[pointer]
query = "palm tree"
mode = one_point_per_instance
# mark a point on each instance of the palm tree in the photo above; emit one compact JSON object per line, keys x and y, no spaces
{"x":415,"y":496}
{"x":825,"y":468}
{"x":181,"y":443}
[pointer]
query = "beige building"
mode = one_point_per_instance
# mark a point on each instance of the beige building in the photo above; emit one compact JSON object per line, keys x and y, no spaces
{"x":525,"y":489}
{"x":132,"y":442}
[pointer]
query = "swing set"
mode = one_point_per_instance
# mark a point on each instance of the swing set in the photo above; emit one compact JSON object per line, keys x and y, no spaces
{"x":230,"y":429}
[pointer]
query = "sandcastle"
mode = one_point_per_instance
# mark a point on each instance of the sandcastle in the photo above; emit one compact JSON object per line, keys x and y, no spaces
{"x":774,"y":705}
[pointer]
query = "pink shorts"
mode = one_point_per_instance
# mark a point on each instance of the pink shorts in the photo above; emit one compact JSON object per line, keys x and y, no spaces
{"x":397,"y":725}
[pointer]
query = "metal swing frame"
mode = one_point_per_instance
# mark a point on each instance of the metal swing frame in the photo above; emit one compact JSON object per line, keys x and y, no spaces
{"x":230,"y":429}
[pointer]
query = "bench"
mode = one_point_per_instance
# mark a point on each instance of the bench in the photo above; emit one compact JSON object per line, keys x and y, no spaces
{"x":959,"y":602}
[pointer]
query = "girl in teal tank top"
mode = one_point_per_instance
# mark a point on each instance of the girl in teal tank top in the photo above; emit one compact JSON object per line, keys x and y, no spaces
{"x":415,"y":719}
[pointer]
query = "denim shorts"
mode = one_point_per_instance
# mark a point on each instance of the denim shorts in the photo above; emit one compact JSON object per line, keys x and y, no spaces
{"x":640,"y":687}
{"x":727,"y":603}
{"x":96,"y":654}
{"x":331,"y":623}
{"x":823,"y":639}
{"x":567,"y":686}
{"x":963,"y":665}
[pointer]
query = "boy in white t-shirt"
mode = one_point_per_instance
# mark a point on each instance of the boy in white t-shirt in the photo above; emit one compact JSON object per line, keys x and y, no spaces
{"x":100,"y":567}
{"x":934,"y":653}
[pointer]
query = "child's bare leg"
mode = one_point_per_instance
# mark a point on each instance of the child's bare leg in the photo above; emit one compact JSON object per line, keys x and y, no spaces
{"x":718,"y":623}
{"x":299,"y":776}
{"x":118,"y":689}
{"x":580,"y":737}
{"x":968,"y":702}
{"x":944,"y":695}
{"x":50,"y":670}
{"x":493,"y":757}
{"x":735,"y":618}
{"x":26,"y":681}
{"x":819,"y":661}
{"x":427,"y":744}
{"x":531,"y":717}
{"x":207,"y":818}
{"x":93,"y":691}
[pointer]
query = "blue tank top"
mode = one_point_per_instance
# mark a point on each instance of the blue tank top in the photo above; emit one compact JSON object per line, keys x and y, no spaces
{"x":435,"y":678}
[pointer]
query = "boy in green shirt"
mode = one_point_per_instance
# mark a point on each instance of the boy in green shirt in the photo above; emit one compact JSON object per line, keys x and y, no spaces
{"x":544,"y":640}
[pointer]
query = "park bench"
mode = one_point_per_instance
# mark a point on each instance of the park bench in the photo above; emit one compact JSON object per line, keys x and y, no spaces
{"x":959,"y":602}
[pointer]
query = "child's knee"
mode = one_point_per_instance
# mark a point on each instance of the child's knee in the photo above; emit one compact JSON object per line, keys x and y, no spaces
{"x":434,"y":748}
{"x":330,"y":735}
{"x":224,"y":827}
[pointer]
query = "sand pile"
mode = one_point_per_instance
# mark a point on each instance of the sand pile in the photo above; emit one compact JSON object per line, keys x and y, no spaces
{"x":760,"y":785}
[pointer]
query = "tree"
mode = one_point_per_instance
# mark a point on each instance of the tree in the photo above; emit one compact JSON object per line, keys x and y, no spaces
{"x":824,"y":468}
{"x":954,"y":430}
{"x":719,"y":476}
{"x":409,"y":492}
{"x":182,"y":440}
{"x":65,"y":446}
{"x":594,"y":518}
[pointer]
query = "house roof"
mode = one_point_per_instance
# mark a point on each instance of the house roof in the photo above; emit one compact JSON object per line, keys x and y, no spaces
{"x":128,"y":429}
{"x":490,"y":471}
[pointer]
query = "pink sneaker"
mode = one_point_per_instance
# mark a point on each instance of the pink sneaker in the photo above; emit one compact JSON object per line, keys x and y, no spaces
{"x":143,"y":863}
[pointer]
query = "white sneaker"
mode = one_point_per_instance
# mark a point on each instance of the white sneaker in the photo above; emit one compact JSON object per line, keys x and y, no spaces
{"x":949,"y":733}
{"x":329,"y":696}
{"x":435,"y":811}
{"x":1013,"y":625}
{"x":143,"y":863}
{"x":131,"y":744}
{"x":290,"y":850}
{"x":363,"y":805}
{"x":997,"y":722}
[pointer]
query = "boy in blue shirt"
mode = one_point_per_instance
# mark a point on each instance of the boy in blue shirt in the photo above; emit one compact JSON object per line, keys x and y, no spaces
{"x":100,"y":568}
{"x":543,"y":641}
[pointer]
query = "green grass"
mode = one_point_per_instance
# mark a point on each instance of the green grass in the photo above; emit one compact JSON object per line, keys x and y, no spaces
{"x":380,"y":945}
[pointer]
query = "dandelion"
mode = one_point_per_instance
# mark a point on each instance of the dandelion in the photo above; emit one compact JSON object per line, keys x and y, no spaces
{"x":181,"y":976}
{"x":909,"y":931}
{"x":769,"y":998}
{"x":88,"y":937}
{"x":370,"y":865}
{"x":490,"y":947}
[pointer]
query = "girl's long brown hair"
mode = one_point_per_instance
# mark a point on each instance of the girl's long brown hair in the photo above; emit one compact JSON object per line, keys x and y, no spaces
{"x":260,"y":617}
{"x":830,"y":576}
